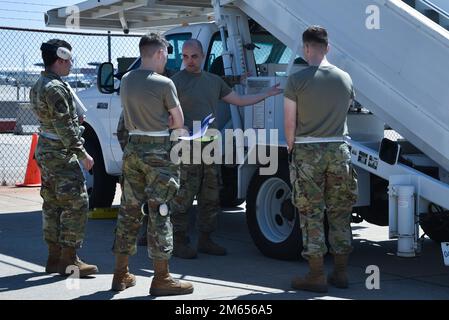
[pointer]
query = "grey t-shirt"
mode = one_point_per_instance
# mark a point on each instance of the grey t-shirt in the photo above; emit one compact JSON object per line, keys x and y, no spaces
{"x":199,"y":94}
{"x":146,"y":98}
{"x":322,"y":95}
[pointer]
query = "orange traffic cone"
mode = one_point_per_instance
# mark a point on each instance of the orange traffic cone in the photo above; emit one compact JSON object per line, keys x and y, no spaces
{"x":33,"y":174}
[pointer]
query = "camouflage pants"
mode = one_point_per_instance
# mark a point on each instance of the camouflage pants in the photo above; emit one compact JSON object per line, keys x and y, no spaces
{"x":66,"y":203}
{"x":148,"y":176}
{"x":199,"y":180}
{"x":323,"y":179}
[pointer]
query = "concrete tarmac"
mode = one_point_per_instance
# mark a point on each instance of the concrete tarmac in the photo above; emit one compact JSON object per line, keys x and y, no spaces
{"x":244,"y":274}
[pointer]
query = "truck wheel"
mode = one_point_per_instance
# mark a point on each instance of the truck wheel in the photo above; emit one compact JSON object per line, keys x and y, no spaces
{"x":228,"y":200}
{"x":435,"y":224}
{"x":271,"y":217}
{"x":377,"y":212}
{"x":100,"y":185}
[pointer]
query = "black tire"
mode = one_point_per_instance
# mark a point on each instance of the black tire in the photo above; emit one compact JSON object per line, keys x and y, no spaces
{"x":228,"y":193}
{"x":288,"y":247}
{"x":229,"y":201}
{"x":377,"y":212}
{"x":102,"y":192}
{"x":435,"y":224}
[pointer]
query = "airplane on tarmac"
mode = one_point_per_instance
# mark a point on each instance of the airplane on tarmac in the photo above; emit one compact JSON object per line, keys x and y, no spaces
{"x":27,"y":77}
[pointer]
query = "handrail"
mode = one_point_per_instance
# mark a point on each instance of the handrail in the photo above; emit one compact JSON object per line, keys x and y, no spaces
{"x":436,"y":8}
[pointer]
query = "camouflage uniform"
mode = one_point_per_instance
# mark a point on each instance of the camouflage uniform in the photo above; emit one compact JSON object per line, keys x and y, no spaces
{"x":123,"y":137}
{"x":199,"y":180}
{"x":199,"y":95}
{"x":58,"y":152}
{"x":323,"y":179}
{"x":149,"y":175}
{"x":122,"y":133}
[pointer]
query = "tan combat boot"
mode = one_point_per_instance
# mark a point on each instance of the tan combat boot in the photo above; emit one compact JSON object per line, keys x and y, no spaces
{"x":54,"y":254}
{"x":315,"y":280}
{"x":208,"y":246}
{"x":181,"y":248}
{"x":122,"y":278}
{"x":339,"y":278}
{"x":69,"y":258}
{"x":164,"y":285}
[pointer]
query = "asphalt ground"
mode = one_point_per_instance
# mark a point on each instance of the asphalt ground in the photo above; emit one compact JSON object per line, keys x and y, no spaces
{"x":244,"y":274}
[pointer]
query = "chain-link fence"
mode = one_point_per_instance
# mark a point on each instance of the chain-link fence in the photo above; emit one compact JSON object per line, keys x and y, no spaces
{"x":20,"y":67}
{"x":21,"y":64}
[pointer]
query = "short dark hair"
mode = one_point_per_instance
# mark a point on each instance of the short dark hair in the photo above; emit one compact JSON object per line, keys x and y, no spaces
{"x":315,"y":34}
{"x":151,"y":43}
{"x":49,"y":56}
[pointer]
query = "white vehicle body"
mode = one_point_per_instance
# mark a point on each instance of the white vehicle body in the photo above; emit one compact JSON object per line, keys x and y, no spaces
{"x":396,"y":54}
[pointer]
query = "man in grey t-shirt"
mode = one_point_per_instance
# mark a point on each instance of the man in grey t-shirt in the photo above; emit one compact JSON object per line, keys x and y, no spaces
{"x":317,"y":100}
{"x":150,"y":108}
{"x":199,"y":93}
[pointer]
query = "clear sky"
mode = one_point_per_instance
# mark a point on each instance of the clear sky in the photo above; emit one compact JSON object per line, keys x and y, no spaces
{"x":21,"y":49}
{"x":28,"y":13}
{"x":443,"y":4}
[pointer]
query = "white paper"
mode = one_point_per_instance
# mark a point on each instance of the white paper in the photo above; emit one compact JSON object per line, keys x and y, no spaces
{"x":80,"y":108}
{"x":204,"y":126}
{"x":445,"y":252}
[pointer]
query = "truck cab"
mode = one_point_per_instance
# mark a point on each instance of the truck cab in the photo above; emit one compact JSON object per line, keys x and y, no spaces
{"x":400,"y":87}
{"x":102,"y":121}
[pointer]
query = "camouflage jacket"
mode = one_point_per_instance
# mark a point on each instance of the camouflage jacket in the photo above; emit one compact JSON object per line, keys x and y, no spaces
{"x":53,"y":104}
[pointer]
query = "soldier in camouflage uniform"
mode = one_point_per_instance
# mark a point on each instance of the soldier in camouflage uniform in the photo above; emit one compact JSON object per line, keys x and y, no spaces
{"x":122,"y":133}
{"x":123,"y":136}
{"x":317,"y":100}
{"x":150,"y":108}
{"x":200,"y":92}
{"x":59,"y":153}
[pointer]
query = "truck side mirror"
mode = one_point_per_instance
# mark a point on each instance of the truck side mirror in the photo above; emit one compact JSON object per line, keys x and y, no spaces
{"x":389,"y":151}
{"x":105,"y":78}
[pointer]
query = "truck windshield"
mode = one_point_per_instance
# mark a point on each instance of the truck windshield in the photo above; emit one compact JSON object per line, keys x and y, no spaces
{"x":268,"y":50}
{"x":174,"y":60}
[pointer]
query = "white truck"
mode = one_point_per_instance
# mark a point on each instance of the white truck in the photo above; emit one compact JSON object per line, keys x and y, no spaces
{"x":397,"y":54}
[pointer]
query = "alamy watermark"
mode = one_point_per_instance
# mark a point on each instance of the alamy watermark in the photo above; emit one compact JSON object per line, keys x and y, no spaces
{"x":73,"y":18}
{"x":73,"y":280}
{"x":372,"y":22}
{"x":235,"y":146}
{"x":373,"y":280}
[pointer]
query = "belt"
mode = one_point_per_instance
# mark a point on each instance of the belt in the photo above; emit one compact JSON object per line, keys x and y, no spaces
{"x":49,"y":135}
{"x":148,"y":139}
{"x":163,"y":133}
{"x":300,"y":140}
{"x":206,"y":139}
